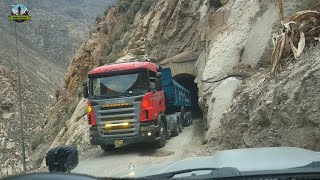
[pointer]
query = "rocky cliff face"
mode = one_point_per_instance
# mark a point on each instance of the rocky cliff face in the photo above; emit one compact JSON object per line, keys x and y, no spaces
{"x":57,"y":28}
{"x":7,"y":111}
{"x":275,"y":112}
{"x":230,"y":41}
{"x":239,"y":44}
{"x":271,"y":110}
{"x":170,"y":28}
{"x":39,"y":78}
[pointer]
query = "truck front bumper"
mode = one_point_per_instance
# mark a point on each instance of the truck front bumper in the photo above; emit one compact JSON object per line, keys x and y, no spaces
{"x":147,"y":134}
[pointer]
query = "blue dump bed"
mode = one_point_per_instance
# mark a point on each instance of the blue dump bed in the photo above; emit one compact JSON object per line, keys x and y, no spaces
{"x":175,"y":94}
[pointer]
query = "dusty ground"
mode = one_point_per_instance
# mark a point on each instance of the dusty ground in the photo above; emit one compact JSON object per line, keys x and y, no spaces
{"x":98,"y":163}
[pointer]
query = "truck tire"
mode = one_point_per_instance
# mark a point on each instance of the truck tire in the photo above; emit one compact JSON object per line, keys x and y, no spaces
{"x":187,"y":120}
{"x":190,"y":118}
{"x":176,"y":130}
{"x":180,"y":126}
{"x":163,"y":136}
{"x":108,"y":148}
{"x":181,"y":120}
{"x":183,"y":117}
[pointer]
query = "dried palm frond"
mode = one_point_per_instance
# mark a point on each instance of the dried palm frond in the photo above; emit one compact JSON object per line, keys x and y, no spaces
{"x":279,"y":40}
{"x":296,"y":32}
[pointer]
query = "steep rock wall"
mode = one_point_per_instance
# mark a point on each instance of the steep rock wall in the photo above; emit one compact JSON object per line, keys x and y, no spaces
{"x":239,"y":41}
{"x":276,"y":112}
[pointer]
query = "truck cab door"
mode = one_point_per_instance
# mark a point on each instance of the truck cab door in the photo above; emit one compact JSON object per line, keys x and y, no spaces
{"x":158,"y":101}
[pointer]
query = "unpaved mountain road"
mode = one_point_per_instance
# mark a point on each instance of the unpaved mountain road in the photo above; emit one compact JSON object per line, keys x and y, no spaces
{"x":105,"y":164}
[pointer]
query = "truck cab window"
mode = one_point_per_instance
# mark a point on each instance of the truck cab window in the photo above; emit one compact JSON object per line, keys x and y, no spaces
{"x":152,"y":84}
{"x":96,"y":86}
{"x":152,"y":80}
{"x":119,"y":85}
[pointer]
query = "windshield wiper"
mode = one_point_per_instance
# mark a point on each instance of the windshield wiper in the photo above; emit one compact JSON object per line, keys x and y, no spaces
{"x":216,"y":172}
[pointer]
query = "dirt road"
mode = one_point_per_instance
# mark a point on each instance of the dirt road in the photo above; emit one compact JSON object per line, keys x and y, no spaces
{"x":103,"y":164}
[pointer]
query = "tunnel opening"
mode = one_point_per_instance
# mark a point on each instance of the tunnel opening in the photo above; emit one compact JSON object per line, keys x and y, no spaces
{"x":187,"y":81}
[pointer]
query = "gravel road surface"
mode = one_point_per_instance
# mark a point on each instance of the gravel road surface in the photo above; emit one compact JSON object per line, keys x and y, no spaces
{"x":105,"y":164}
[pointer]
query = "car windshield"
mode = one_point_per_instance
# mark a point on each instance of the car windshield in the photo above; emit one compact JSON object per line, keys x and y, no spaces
{"x":124,"y":84}
{"x":140,"y":86}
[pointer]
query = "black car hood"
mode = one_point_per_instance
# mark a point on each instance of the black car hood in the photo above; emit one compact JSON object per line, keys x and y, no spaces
{"x":250,"y":159}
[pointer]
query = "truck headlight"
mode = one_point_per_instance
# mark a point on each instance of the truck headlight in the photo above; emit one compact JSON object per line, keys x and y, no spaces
{"x":110,"y":126}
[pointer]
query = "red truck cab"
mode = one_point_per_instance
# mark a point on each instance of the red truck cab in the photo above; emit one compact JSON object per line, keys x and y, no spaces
{"x":126,"y":105}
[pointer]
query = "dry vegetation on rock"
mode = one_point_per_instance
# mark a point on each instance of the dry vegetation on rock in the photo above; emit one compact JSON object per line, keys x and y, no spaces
{"x":297,"y":32}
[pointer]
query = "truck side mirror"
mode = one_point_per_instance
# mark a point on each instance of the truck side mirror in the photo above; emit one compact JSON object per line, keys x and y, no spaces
{"x":159,"y":75}
{"x":158,"y":84}
{"x":85,"y":89}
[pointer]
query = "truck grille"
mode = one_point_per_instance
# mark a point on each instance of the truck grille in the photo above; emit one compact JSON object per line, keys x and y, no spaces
{"x":116,"y":107}
{"x":118,"y":118}
{"x":117,"y":115}
{"x":129,"y":130}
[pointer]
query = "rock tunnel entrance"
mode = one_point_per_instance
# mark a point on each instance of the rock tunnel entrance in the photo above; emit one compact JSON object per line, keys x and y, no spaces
{"x":187,"y":81}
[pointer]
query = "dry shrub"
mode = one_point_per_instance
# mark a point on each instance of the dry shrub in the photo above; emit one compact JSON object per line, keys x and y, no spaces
{"x":296,"y":33}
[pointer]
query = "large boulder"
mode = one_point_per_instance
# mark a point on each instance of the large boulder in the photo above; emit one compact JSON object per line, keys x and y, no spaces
{"x":220,"y":100}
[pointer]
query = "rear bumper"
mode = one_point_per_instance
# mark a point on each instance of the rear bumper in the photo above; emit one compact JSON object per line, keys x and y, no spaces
{"x":143,"y":136}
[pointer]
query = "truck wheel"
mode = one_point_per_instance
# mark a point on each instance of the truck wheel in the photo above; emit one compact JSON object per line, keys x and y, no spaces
{"x":180,"y":125}
{"x":181,"y":120}
{"x":186,"y":120}
{"x":184,"y":117}
{"x":175,"y":131}
{"x":108,"y":148}
{"x":163,"y":136}
{"x":190,"y":118}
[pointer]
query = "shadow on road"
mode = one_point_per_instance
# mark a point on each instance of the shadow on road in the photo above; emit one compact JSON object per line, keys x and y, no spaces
{"x":143,"y":149}
{"x":138,"y":149}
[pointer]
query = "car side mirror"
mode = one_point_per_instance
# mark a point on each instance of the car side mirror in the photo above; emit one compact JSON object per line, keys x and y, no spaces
{"x":85,"y":89}
{"x":158,"y":84}
{"x":62,"y":159}
{"x":159,"y":75}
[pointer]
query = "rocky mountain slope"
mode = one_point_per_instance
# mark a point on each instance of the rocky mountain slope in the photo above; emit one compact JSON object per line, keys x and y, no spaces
{"x":247,"y":38}
{"x":44,"y":46}
{"x":57,"y":27}
{"x":276,"y":112}
{"x":234,"y":44}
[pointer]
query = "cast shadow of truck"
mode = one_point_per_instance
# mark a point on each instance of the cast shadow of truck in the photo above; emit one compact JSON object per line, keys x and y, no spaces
{"x":140,"y":149}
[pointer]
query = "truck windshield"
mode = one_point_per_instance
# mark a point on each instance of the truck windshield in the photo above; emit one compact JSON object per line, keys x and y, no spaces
{"x":119,"y":85}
